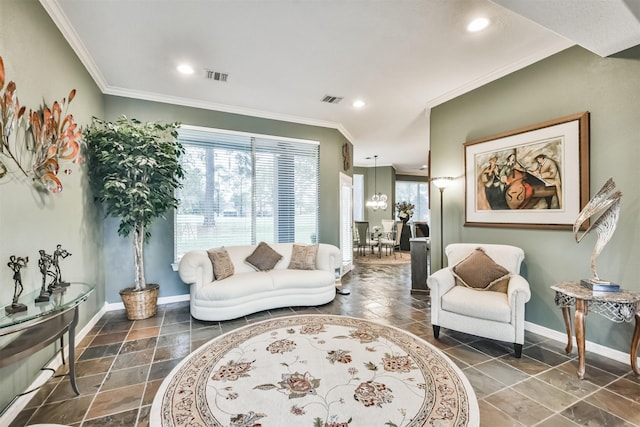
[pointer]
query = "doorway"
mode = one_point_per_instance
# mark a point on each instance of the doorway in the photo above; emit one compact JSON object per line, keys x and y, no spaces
{"x":346,"y":223}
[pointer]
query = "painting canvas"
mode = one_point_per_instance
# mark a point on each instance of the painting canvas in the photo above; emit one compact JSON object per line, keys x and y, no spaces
{"x":534,"y":177}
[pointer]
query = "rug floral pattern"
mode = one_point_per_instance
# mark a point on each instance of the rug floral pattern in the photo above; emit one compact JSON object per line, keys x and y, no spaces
{"x":316,"y":371}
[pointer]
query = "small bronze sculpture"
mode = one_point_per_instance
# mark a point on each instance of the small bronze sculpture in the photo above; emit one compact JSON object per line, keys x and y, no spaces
{"x":59,"y":253}
{"x":16,"y":264}
{"x":44,"y":263}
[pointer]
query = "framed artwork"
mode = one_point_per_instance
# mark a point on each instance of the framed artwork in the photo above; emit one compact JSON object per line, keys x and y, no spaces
{"x":346,"y":157}
{"x":532,"y":177}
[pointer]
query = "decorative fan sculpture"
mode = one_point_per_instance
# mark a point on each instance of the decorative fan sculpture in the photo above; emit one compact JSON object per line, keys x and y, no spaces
{"x":606,"y":202}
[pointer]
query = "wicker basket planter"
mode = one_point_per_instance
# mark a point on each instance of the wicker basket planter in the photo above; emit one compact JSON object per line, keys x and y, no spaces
{"x":140,"y":304}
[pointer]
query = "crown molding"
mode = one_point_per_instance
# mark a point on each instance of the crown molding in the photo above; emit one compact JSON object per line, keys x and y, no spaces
{"x":52,"y":7}
{"x":539,"y":55}
{"x":187,"y":102}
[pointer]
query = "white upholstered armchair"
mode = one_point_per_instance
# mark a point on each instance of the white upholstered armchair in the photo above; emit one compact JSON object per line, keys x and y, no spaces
{"x":495,"y":311}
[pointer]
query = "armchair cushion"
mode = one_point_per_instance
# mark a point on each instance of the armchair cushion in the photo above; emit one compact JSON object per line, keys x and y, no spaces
{"x":480,"y":272}
{"x":479,"y":305}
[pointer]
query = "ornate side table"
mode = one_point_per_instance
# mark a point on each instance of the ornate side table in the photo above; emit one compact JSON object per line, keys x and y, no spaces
{"x":618,"y":307}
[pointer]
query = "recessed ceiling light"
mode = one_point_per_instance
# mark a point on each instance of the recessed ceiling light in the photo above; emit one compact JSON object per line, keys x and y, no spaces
{"x":359,"y":103}
{"x":185,"y":69}
{"x":478,"y":24}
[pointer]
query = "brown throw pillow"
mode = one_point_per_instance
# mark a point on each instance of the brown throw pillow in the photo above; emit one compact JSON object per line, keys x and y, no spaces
{"x":263,"y":258}
{"x":303,"y":257}
{"x":222,"y":265}
{"x":479,"y":271}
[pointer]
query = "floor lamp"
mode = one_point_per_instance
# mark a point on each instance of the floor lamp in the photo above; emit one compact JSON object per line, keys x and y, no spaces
{"x":441,"y":182}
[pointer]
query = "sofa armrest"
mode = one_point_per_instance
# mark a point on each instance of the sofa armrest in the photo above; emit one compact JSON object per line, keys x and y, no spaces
{"x":518,"y":286}
{"x":328,"y":258}
{"x":441,"y":282}
{"x":195,"y":267}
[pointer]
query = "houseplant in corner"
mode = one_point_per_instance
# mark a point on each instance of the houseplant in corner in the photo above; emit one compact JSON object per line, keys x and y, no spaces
{"x":134,"y":169}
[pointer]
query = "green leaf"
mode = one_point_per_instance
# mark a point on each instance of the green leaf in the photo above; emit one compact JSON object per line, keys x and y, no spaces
{"x":265,"y":387}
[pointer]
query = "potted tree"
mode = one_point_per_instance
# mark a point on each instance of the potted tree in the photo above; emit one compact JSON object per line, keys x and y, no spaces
{"x":134,"y":170}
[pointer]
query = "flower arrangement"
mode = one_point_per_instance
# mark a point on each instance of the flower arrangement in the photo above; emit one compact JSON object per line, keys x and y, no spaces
{"x":405,"y":210}
{"x":377,"y":232}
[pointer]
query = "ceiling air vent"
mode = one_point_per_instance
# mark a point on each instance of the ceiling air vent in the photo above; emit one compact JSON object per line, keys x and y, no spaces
{"x":217,"y":76}
{"x":332,"y":99}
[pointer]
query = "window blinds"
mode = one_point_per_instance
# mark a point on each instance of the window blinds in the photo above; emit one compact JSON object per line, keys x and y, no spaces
{"x":242,"y":189}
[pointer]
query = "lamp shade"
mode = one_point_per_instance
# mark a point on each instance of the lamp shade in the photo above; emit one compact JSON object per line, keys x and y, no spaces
{"x":442,"y":181}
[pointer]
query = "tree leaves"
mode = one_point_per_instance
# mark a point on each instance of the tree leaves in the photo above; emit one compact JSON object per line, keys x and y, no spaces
{"x":134,"y":169}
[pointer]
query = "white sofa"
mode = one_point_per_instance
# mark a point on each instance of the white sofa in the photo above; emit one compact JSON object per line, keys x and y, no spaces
{"x":494,"y":315}
{"x":249,"y":291}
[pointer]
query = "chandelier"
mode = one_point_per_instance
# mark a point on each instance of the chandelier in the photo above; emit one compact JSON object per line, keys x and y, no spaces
{"x":378,"y":200}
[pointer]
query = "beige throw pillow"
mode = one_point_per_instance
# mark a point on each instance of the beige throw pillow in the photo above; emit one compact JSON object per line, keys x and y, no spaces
{"x":222,"y":265}
{"x":303,"y":257}
{"x":263,"y":258}
{"x":480,"y":272}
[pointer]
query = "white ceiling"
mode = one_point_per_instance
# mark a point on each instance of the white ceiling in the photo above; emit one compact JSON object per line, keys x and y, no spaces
{"x":283,"y":56}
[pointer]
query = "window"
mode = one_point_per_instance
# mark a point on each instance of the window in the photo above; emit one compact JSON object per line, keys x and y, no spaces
{"x":416,"y":193}
{"x":241,"y":189}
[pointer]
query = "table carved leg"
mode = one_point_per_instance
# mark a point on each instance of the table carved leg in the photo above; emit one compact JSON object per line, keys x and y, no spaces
{"x":72,"y":355}
{"x":634,"y":347}
{"x":566,"y":313}
{"x":581,"y":312}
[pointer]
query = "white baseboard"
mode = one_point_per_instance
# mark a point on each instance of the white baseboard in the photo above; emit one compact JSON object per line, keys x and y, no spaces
{"x":164,"y":300}
{"x":21,"y":402}
{"x":611,"y":353}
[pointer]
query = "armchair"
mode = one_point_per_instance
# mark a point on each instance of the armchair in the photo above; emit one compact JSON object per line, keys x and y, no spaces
{"x":486,"y":313}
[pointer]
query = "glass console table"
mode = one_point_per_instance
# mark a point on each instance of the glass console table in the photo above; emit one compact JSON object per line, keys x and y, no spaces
{"x":27,"y":332}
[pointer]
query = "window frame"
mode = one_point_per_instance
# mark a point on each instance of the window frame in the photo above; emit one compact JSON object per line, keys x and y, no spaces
{"x":258,"y":142}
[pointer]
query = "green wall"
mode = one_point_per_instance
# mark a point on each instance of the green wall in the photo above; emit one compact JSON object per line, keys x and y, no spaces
{"x":159,"y":252}
{"x":45,"y":68}
{"x":569,"y":82}
{"x":412,"y":178}
{"x":385,"y":177}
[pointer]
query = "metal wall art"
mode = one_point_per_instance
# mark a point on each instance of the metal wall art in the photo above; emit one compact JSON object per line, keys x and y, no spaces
{"x":34,"y":143}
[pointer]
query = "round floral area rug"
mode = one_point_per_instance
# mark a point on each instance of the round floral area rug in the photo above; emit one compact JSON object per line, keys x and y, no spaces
{"x":316,"y":371}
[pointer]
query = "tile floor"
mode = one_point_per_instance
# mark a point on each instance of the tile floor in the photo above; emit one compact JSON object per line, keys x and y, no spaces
{"x":121,"y":364}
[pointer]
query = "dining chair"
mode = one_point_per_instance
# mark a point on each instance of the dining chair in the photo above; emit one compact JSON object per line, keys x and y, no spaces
{"x":362,"y":230}
{"x":387,"y":227}
{"x":393,"y":241}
